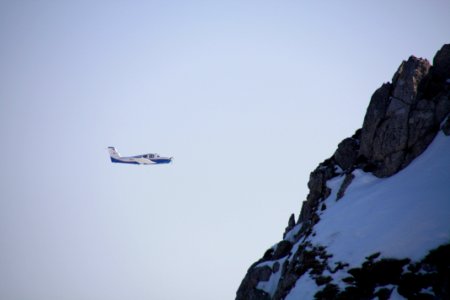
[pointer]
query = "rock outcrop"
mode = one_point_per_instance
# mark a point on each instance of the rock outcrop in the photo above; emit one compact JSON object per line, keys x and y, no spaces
{"x":404,"y":116}
{"x":402,"y":119}
{"x":346,"y":153}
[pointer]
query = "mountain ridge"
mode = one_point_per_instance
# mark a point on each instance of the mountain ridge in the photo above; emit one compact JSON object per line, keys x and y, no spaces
{"x":403,"y":119}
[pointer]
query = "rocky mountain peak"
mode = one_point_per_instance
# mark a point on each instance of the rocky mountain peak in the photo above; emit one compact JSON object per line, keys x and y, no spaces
{"x":404,"y":116}
{"x":402,"y":119}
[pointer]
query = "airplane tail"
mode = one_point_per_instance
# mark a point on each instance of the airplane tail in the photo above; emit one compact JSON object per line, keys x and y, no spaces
{"x":113,"y":153}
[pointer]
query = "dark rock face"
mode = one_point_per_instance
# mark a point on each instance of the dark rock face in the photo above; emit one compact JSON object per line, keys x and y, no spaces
{"x":282,"y":250}
{"x":446,"y":127}
{"x":318,"y":191}
{"x":385,"y":133}
{"x":346,"y":153}
{"x":406,"y":82}
{"x":291,"y":224}
{"x":374,"y":116}
{"x":248,"y":290}
{"x":404,"y":116}
{"x":441,"y":63}
{"x":402,"y":119}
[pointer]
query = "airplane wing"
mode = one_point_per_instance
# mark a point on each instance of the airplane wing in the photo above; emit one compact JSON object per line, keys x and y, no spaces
{"x":141,"y":160}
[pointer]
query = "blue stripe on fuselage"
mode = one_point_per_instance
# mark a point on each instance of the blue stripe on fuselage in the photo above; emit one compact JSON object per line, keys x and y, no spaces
{"x":161,"y":161}
{"x":114,"y":160}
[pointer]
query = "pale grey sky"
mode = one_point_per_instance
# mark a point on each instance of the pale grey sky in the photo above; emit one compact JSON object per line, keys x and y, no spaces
{"x":249,"y":96}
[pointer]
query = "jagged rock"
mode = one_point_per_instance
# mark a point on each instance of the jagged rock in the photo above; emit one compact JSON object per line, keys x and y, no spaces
{"x":406,"y":82}
{"x":317,"y":183}
{"x":291,"y":224}
{"x":318,"y":189}
{"x":390,"y":140}
{"x":399,"y":124}
{"x":305,"y":212}
{"x":346,"y":153}
{"x":441,"y":63}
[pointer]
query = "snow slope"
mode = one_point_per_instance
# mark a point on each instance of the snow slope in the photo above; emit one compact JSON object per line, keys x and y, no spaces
{"x":405,"y":215}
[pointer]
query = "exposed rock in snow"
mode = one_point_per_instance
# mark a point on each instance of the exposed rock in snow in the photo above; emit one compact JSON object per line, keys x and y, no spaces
{"x":347,"y":181}
{"x":291,"y":224}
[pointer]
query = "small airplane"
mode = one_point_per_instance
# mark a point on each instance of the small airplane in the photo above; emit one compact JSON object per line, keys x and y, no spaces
{"x":144,"y":159}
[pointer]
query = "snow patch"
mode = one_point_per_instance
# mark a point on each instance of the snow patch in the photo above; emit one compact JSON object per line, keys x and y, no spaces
{"x":294,"y":250}
{"x":305,"y":288}
{"x":396,"y":296}
{"x":428,"y":290}
{"x":389,"y":286}
{"x":270,"y":263}
{"x":290,"y":236}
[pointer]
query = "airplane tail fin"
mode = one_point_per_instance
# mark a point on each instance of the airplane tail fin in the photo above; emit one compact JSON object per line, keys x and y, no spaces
{"x":113,"y":153}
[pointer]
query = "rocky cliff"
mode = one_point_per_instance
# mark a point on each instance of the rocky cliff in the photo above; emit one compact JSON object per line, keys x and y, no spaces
{"x":376,"y":221}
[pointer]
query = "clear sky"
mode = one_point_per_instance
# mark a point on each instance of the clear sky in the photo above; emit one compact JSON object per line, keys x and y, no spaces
{"x":248,"y":96}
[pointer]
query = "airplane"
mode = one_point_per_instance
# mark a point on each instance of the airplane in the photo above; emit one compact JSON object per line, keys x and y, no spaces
{"x":144,"y":159}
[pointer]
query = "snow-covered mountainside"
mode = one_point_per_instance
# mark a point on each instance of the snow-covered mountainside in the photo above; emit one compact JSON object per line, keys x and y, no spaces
{"x":376,"y":222}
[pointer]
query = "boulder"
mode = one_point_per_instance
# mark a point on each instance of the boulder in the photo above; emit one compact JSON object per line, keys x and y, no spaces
{"x":283,"y":249}
{"x":346,"y":153}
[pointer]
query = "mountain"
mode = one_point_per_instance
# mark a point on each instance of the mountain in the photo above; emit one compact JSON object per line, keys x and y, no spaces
{"x":376,"y":221}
